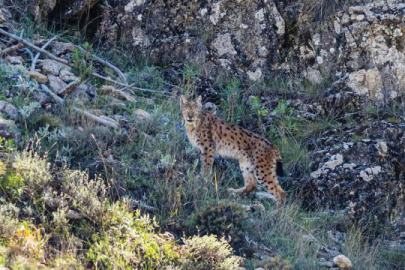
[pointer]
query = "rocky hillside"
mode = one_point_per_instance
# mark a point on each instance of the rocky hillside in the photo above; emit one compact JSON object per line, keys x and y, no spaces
{"x":94,"y":157}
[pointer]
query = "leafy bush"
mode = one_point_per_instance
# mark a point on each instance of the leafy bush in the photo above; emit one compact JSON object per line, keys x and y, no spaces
{"x":221,"y":219}
{"x":34,"y":170}
{"x":208,"y":253}
{"x":88,"y":196}
{"x":129,"y":241}
{"x":11,"y":183}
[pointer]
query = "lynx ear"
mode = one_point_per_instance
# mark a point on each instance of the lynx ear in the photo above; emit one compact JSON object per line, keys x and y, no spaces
{"x":199,"y":101}
{"x":183,"y":101}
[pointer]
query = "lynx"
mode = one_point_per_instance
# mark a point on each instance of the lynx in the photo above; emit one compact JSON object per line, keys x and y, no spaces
{"x":259,"y":160}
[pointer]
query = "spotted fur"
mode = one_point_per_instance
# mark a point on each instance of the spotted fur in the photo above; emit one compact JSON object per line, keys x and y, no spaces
{"x":259,"y":160}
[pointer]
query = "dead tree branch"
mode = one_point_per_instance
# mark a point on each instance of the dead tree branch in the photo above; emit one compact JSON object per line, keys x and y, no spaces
{"x":39,"y":53}
{"x":31,"y":45}
{"x":105,"y":120}
{"x":59,"y":100}
{"x":105,"y":62}
{"x":13,"y":48}
{"x":126,"y":85}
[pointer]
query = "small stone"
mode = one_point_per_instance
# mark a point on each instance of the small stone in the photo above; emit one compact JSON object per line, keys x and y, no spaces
{"x":71,"y":214}
{"x":67,"y":76}
{"x":265,"y":196}
{"x":9,"y":109}
{"x":42,"y":98}
{"x":335,"y":161}
{"x":68,"y":88}
{"x":61,"y":47}
{"x":56,"y":83}
{"x":343,"y":262}
{"x":142,"y":115}
{"x":117,"y":93}
{"x":14,"y":60}
{"x":260,"y":268}
{"x":9,"y":130}
{"x":256,"y":75}
{"x":39,"y":77}
{"x":209,"y":106}
{"x":52,"y":67}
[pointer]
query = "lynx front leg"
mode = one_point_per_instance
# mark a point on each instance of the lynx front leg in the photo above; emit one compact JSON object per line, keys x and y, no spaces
{"x":248,"y":175}
{"x":207,"y":159}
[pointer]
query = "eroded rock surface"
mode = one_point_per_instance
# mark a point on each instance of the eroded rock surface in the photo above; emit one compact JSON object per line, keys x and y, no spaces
{"x":231,"y":35}
{"x":361,"y":169}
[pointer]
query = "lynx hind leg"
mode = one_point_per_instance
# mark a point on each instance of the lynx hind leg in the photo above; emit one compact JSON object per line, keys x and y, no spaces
{"x":265,"y":172}
{"x":247,"y":169}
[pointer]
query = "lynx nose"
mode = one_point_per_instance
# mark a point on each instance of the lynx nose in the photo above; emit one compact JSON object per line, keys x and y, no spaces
{"x":190,"y":117}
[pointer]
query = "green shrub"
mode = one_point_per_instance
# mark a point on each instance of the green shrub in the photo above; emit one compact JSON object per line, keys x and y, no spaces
{"x":34,"y":170}
{"x":12,"y":183}
{"x":221,"y":219}
{"x":129,"y":241}
{"x":8,"y":216}
{"x":277,"y":263}
{"x":89,"y":196}
{"x":208,"y":253}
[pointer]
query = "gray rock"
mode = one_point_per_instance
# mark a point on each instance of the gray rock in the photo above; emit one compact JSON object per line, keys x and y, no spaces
{"x":59,"y":48}
{"x":67,"y":76}
{"x":41,"y":97}
{"x":52,"y":67}
{"x":9,"y":109}
{"x":142,"y":115}
{"x":56,"y":83}
{"x":68,"y":88}
{"x":372,"y":185}
{"x":14,"y":60}
{"x":9,"y":130}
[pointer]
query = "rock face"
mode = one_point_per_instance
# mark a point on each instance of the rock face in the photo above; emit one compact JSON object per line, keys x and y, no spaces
{"x":360,"y":45}
{"x":365,"y":174}
{"x":242,"y":36}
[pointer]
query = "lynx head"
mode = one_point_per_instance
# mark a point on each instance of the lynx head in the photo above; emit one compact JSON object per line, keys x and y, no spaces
{"x":191,"y":110}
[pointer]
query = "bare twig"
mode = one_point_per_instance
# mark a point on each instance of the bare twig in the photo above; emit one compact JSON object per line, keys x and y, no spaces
{"x":52,"y":94}
{"x":126,"y":85}
{"x":39,"y":53}
{"x":110,"y":122}
{"x":13,"y":48}
{"x":105,"y":62}
{"x":31,"y":45}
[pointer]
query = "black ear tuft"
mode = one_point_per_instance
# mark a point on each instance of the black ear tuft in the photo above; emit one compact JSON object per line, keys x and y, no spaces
{"x":279,"y":168}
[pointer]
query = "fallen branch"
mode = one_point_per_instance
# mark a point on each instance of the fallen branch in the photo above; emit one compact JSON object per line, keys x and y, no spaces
{"x":105,"y":62}
{"x":34,"y":61}
{"x":31,"y":45}
{"x":13,"y":48}
{"x":126,"y":85}
{"x":59,"y":100}
{"x":110,"y":122}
